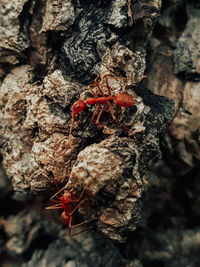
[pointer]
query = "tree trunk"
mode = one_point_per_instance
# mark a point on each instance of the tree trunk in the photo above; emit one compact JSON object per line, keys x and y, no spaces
{"x":122,"y":165}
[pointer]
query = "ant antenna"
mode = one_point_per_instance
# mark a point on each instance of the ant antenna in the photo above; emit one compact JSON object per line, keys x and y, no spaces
{"x":70,"y":129}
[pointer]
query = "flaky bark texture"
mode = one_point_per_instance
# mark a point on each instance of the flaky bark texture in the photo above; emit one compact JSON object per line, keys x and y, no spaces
{"x":36,"y":117}
{"x":50,"y":51}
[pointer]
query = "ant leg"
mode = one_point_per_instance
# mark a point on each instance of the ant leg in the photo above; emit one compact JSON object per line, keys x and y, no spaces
{"x":79,"y":224}
{"x":100,"y":91}
{"x":96,"y":84}
{"x":70,"y":225}
{"x":77,"y":206}
{"x":94,"y":113}
{"x":54,"y":207}
{"x":93,"y":84}
{"x":70,"y":129}
{"x":55,"y":182}
{"x":97,"y":105}
{"x":107,"y":85}
{"x":81,"y":194}
{"x":56,"y":201}
{"x":56,"y":194}
{"x":106,"y":77}
{"x":112,"y":112}
{"x":99,"y":115}
{"x":79,"y":198}
{"x":113,"y":116}
{"x":99,"y":88}
{"x":86,"y":221}
{"x":91,"y":91}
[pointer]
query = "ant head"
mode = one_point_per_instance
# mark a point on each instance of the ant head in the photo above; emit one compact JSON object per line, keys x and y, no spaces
{"x":78,"y":106}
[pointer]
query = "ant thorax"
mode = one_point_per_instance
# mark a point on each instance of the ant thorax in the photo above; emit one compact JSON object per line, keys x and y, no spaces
{"x":67,"y":196}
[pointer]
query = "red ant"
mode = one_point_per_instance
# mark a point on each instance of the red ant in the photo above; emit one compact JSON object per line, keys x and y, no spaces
{"x":67,"y":202}
{"x":121,"y":99}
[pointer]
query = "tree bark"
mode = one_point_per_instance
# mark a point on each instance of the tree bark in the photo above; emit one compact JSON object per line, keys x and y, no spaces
{"x":50,"y":52}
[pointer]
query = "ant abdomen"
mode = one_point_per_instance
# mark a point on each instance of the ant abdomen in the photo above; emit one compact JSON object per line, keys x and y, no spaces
{"x":124,"y":100}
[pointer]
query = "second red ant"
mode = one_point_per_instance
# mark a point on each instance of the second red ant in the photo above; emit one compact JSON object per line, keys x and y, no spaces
{"x":121,"y":99}
{"x":68,"y":202}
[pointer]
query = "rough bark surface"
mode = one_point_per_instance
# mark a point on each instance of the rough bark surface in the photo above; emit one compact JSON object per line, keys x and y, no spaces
{"x":49,"y":52}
